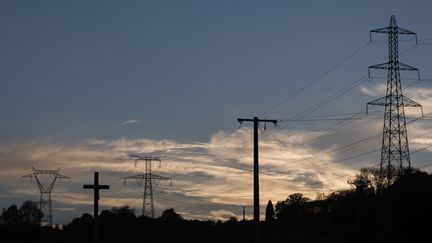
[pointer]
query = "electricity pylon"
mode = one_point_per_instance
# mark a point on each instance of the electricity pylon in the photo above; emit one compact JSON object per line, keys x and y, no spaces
{"x":45,"y":188}
{"x":394,"y":152}
{"x":148,"y":178}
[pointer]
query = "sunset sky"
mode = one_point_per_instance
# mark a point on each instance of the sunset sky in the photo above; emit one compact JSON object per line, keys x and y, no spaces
{"x":85,"y":83}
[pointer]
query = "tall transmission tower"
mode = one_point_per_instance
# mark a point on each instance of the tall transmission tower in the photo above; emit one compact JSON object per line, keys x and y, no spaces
{"x":45,"y":187}
{"x":394,"y":152}
{"x":147,"y":178}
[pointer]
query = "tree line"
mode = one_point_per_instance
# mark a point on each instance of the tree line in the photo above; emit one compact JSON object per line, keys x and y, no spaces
{"x":397,"y":209}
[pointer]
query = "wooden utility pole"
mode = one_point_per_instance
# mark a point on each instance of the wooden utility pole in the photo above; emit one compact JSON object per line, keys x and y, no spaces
{"x":96,"y":187}
{"x":256,"y":122}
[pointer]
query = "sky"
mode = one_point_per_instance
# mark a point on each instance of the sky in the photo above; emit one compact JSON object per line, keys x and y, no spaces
{"x":85,"y":83}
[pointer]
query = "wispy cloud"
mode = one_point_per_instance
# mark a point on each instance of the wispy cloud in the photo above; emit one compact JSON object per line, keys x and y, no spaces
{"x":129,"y":122}
{"x":208,"y":177}
{"x":378,"y":90}
{"x":214,"y":173}
{"x":96,"y":141}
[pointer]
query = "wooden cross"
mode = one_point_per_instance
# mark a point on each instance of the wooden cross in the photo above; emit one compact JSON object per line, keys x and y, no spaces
{"x":96,"y":187}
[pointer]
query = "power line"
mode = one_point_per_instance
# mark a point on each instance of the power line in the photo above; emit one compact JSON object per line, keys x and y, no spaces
{"x":376,"y":150}
{"x":315,"y":80}
{"x":336,"y":95}
{"x":332,"y":97}
{"x":349,"y":147}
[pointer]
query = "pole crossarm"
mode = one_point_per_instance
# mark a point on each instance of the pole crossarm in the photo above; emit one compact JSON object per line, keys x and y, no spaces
{"x":241,"y":120}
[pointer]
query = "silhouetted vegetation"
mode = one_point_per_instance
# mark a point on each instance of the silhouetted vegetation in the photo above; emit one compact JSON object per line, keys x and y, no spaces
{"x":269,"y":213}
{"x":371,"y":211}
{"x":28,"y":213}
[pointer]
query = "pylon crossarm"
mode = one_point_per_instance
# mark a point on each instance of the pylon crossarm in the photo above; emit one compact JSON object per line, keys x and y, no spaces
{"x":45,"y":172}
{"x":146,"y":176}
{"x":137,"y":178}
{"x":142,"y":157}
{"x":386,"y":66}
{"x":31,"y":176}
{"x":381,"y":101}
{"x":134,"y":177}
{"x":393,"y":29}
{"x":158,"y":177}
{"x":407,"y":102}
{"x":378,"y":66}
{"x":384,"y":30}
{"x":406,"y":67}
{"x":402,"y":31}
{"x":62,"y":177}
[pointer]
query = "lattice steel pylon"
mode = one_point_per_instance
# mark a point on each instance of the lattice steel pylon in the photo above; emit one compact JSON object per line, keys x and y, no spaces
{"x":45,"y":189}
{"x":148,"y":178}
{"x":394,"y":151}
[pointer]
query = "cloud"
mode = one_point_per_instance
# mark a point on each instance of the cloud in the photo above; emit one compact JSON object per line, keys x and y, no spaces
{"x":96,"y":141}
{"x":378,"y":90}
{"x":129,"y":122}
{"x":207,"y":177}
{"x":423,"y":141}
{"x":222,"y":214}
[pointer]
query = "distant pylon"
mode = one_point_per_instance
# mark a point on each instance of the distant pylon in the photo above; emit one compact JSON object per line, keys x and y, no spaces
{"x":45,"y":189}
{"x":394,"y":152}
{"x":148,"y":178}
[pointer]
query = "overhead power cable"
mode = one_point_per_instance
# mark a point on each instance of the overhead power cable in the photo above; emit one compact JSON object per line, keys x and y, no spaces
{"x":313,"y":81}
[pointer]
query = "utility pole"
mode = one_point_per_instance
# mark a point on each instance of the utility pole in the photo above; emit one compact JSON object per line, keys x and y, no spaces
{"x":244,"y":213}
{"x":394,"y":151}
{"x":96,"y":187}
{"x":148,"y":178}
{"x":256,"y":122}
{"x":45,"y":187}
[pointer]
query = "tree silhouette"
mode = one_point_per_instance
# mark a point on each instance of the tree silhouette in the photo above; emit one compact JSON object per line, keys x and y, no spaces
{"x":269,"y":213}
{"x":293,"y":207}
{"x":11,"y":215}
{"x":123,"y":212}
{"x":170,"y":215}
{"x":30,"y":213}
{"x":367,"y":181}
